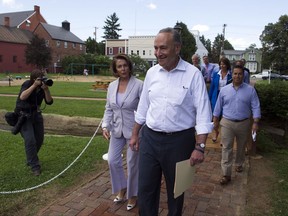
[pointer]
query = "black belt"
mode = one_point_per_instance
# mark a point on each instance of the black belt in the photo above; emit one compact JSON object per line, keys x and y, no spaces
{"x":170,"y":133}
{"x":236,"y":120}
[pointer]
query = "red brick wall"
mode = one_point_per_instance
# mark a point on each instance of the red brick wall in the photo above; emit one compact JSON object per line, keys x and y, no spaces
{"x":58,"y":53}
{"x":7,"y":63}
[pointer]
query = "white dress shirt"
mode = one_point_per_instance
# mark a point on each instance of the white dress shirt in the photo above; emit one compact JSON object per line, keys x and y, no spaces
{"x":175,"y":100}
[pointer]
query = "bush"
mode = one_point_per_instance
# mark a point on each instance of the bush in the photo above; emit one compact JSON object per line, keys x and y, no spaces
{"x":274,"y":100}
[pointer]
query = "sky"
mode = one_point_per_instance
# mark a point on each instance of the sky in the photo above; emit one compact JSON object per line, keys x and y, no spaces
{"x":245,"y":20}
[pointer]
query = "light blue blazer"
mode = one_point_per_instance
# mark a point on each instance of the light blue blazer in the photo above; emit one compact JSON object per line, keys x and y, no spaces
{"x":119,"y":119}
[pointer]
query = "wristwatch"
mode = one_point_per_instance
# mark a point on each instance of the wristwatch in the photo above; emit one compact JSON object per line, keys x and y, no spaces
{"x":201,"y":145}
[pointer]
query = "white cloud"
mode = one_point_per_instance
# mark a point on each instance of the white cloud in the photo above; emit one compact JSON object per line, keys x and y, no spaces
{"x":11,"y":4}
{"x":201,"y":28}
{"x":152,"y":6}
{"x":239,"y":43}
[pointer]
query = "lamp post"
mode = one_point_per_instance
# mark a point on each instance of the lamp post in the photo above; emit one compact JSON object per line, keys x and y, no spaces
{"x":178,"y":28}
{"x":223,"y":39}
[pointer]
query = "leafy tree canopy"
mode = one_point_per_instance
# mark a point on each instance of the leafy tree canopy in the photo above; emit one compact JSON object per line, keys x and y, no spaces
{"x":37,"y":53}
{"x":274,"y":39}
{"x":188,"y":42}
{"x":112,"y":27}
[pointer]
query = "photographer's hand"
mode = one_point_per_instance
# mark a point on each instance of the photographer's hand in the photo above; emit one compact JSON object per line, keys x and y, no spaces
{"x":25,"y":94}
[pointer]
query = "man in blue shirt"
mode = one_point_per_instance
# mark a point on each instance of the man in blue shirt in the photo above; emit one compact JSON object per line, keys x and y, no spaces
{"x":236,"y":101}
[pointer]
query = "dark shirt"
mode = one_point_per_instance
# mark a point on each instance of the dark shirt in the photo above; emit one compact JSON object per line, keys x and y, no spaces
{"x":33,"y":101}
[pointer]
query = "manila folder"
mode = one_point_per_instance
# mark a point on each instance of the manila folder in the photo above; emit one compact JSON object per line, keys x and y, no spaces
{"x":183,"y":177}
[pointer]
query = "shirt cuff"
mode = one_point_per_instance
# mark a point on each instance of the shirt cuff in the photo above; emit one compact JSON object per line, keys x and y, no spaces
{"x":204,"y":128}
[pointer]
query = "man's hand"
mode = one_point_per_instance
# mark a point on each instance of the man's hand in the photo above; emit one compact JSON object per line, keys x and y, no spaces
{"x":134,"y":143}
{"x":197,"y":157}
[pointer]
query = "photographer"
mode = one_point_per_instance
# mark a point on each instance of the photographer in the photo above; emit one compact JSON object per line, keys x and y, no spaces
{"x":31,"y":127}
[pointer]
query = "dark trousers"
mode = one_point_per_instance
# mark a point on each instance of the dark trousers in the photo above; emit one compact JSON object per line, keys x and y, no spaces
{"x":159,"y":154}
{"x":32,"y":132}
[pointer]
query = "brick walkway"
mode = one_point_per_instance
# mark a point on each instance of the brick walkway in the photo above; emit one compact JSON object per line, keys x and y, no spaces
{"x":206,"y":197}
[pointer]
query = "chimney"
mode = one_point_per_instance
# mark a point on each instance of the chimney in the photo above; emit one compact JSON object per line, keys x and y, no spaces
{"x":37,"y":9}
{"x":7,"y":21}
{"x":66,"y":25}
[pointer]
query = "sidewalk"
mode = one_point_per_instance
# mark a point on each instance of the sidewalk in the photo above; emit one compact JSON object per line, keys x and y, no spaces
{"x":206,"y":197}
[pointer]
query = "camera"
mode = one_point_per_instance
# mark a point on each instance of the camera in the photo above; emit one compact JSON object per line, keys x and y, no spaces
{"x":47,"y":81}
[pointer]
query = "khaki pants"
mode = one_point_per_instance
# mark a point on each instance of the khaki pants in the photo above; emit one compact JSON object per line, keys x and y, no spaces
{"x":229,"y":131}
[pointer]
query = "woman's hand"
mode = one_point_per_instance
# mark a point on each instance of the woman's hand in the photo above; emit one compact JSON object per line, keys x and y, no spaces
{"x":106,"y":133}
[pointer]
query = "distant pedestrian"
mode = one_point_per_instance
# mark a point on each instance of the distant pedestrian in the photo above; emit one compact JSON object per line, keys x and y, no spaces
{"x":196,"y":61}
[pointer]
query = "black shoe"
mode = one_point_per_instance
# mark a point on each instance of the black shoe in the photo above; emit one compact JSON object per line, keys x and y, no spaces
{"x":36,"y":172}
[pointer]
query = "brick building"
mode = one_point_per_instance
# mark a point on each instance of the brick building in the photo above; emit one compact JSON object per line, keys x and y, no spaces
{"x":18,"y":28}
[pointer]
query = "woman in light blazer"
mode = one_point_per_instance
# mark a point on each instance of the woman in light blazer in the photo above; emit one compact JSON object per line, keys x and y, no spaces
{"x":122,"y":100}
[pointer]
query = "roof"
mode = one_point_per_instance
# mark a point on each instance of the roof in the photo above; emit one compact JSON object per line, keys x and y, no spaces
{"x":16,"y":18}
{"x":59,"y":33}
{"x":15,"y":35}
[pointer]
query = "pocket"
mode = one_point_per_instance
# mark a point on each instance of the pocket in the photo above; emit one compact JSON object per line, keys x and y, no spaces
{"x":178,"y":94}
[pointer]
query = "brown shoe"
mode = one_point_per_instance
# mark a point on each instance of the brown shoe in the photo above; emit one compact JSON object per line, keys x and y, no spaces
{"x":239,"y":169}
{"x":225,"y":180}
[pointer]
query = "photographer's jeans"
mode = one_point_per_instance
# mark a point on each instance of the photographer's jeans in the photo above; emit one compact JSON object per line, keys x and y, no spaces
{"x":32,"y":132}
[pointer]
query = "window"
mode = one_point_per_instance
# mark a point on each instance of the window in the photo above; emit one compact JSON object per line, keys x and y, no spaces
{"x":81,"y":47}
{"x":65,"y":44}
{"x":74,"y":45}
{"x":58,"y":43}
{"x":1,"y":58}
{"x":137,"y":52}
{"x":132,"y":52}
{"x":14,"y":59}
{"x":143,"y":52}
{"x":47,"y":43}
{"x":110,"y":51}
{"x":150,"y":52}
{"x":120,"y":50}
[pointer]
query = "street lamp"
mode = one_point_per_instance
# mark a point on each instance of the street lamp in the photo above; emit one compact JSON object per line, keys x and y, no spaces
{"x":178,"y":28}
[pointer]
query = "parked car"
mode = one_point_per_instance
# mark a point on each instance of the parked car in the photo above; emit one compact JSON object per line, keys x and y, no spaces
{"x":284,"y":77}
{"x":265,"y":74}
{"x":273,"y":76}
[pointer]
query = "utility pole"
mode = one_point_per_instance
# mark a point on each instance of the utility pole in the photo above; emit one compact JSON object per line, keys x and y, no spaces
{"x":223,"y":39}
{"x":95,"y":33}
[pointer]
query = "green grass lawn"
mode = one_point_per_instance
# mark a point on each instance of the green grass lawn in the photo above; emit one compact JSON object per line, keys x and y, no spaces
{"x":55,"y":155}
{"x":64,"y":89}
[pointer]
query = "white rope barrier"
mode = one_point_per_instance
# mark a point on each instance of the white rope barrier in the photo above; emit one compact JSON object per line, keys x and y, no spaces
{"x":50,"y":180}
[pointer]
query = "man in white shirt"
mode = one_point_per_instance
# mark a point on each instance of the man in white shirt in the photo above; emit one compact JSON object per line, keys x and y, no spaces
{"x":173,"y":104}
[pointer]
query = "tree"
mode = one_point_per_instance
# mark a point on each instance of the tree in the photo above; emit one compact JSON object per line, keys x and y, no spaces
{"x":188,"y":42}
{"x":274,"y":39}
{"x":216,"y":48}
{"x":93,"y":47}
{"x":139,"y":64}
{"x":112,"y":27}
{"x":37,"y":53}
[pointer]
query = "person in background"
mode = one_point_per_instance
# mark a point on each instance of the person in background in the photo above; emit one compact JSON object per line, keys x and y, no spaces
{"x":30,"y":98}
{"x":243,"y":63}
{"x":122,"y":100}
{"x":246,"y":71}
{"x":173,"y":104}
{"x":236,"y":102}
{"x":207,"y":69}
{"x":196,"y":61}
{"x":219,"y":80}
